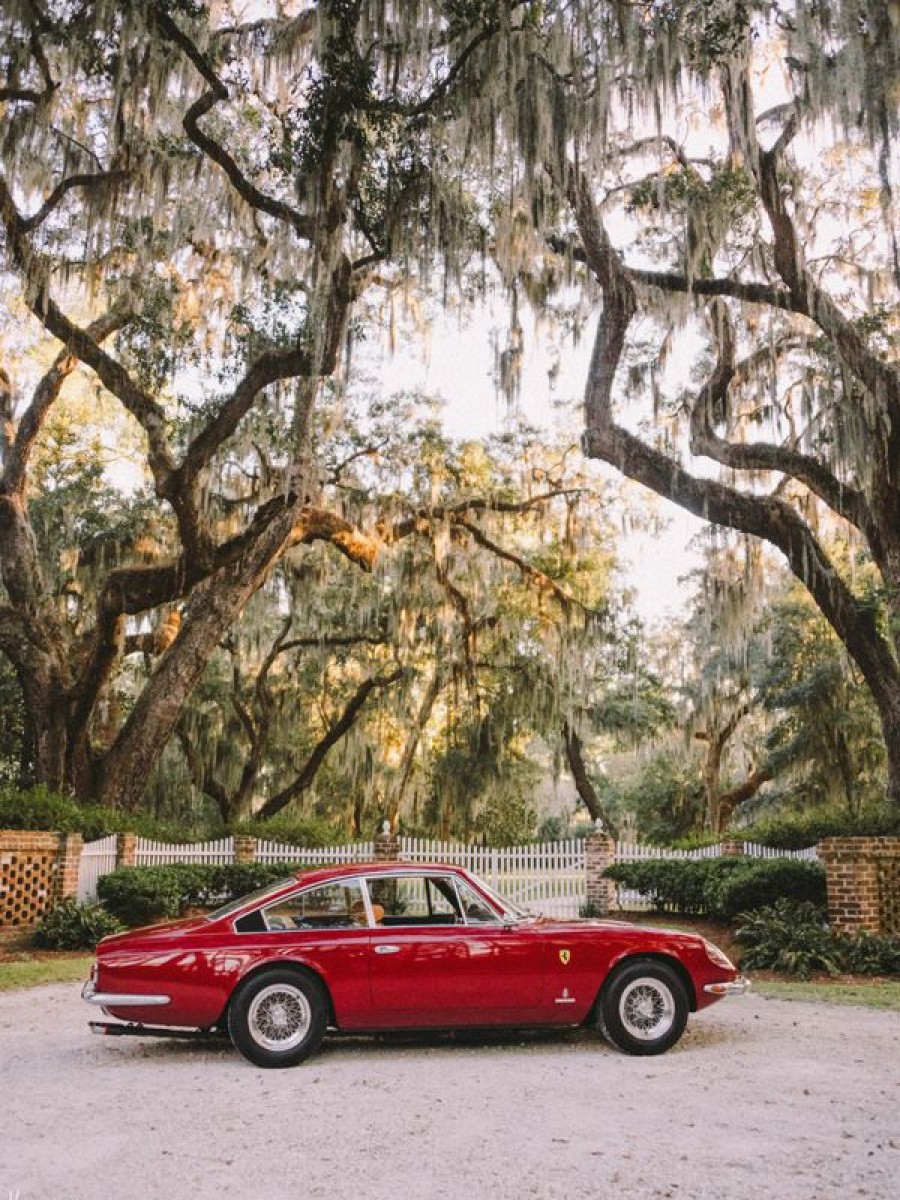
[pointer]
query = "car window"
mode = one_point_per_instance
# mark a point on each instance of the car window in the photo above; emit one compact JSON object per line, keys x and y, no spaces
{"x":414,"y":899}
{"x":475,"y":908}
{"x":328,"y":906}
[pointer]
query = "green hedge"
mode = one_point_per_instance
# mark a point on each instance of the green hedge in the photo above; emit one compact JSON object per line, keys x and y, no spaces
{"x":721,"y":887}
{"x":140,"y":895}
{"x":39,"y":808}
{"x":796,"y":831}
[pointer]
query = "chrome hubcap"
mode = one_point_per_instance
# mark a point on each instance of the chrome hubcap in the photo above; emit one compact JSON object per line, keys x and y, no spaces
{"x":647,"y":1008}
{"x":279,"y":1017}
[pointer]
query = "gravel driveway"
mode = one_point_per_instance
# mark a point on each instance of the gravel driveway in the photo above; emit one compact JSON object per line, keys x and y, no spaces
{"x":761,"y":1098}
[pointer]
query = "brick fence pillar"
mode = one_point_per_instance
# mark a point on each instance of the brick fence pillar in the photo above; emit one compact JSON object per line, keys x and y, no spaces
{"x":68,"y":865}
{"x":863,"y":881}
{"x":599,"y":853}
{"x":126,"y":850}
{"x":387,"y":844}
{"x":245,"y":848}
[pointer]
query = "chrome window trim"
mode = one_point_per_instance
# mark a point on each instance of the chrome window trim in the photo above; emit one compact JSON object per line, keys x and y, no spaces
{"x":494,"y":901}
{"x":411,"y":872}
{"x":344,"y":881}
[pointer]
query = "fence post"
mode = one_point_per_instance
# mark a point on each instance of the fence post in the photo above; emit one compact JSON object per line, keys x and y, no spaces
{"x":245,"y":848}
{"x":599,"y":853}
{"x":68,"y":865}
{"x":126,"y":850}
{"x":386,"y":844}
{"x":732,"y":848}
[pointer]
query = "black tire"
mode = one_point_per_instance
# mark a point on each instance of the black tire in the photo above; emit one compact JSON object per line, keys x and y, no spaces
{"x":278,"y":1017}
{"x":644,"y":1008}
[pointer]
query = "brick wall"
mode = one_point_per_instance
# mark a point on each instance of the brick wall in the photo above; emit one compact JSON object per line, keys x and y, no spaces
{"x":863,"y":884}
{"x":599,"y":853}
{"x":36,"y":871}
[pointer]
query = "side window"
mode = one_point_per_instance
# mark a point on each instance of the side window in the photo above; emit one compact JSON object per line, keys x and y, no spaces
{"x":414,"y":900}
{"x":329,"y":906}
{"x":476,"y":909}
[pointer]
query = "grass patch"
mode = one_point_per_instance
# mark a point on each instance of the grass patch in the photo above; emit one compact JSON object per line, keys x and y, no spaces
{"x":875,"y":993}
{"x":27,"y":971}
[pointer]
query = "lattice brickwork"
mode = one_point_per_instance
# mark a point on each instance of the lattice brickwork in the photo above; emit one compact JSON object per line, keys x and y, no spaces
{"x":36,"y":870}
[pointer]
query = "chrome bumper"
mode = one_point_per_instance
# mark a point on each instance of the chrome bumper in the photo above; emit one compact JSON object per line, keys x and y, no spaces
{"x":120,"y":999}
{"x":735,"y":987}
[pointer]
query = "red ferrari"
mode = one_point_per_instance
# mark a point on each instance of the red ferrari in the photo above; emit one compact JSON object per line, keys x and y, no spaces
{"x":393,"y":946}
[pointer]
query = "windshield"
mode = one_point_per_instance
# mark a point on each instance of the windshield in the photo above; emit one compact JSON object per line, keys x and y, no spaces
{"x":260,"y":894}
{"x":508,"y":907}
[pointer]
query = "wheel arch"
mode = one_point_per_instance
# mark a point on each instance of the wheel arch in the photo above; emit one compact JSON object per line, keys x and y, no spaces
{"x":287,"y":964}
{"x":642,"y":956}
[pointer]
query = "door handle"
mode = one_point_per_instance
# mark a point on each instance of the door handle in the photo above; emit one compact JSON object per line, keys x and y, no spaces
{"x":387,"y":949}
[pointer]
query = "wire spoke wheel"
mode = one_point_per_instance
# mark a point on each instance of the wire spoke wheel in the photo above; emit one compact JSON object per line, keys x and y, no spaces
{"x":279,"y":1017}
{"x":647,"y":1008}
{"x":644,"y":1007}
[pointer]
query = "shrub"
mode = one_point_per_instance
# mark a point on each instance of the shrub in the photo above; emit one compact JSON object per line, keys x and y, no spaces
{"x":720,"y":887}
{"x":759,"y":882}
{"x":294,"y":830}
{"x":39,"y":808}
{"x":74,"y":926}
{"x":788,"y":936}
{"x":794,"y":938}
{"x":795,"y":831}
{"x":140,"y":895}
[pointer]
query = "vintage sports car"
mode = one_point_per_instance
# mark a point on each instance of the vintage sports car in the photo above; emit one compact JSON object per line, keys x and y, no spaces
{"x":395,"y":946}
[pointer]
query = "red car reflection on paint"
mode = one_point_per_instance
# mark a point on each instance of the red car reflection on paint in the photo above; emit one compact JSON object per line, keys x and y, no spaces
{"x":394,"y":946}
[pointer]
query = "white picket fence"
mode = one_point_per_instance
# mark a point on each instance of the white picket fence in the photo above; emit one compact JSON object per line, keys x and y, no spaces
{"x":548,"y":878}
{"x":97,"y":858}
{"x":156,"y":854}
{"x":545,"y":878}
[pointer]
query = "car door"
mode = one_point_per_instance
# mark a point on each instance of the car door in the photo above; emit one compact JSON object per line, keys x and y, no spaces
{"x":435,"y":963}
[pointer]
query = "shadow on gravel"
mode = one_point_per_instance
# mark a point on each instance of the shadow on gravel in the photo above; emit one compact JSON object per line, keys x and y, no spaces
{"x":218,"y":1048}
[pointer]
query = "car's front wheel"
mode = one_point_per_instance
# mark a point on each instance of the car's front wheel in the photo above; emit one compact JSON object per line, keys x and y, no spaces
{"x":278,"y":1017}
{"x":644,"y":1008}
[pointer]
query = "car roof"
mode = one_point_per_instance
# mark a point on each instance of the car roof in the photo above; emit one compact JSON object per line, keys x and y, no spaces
{"x":381,"y":867}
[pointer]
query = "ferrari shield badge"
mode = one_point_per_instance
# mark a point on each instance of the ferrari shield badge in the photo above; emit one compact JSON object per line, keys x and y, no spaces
{"x":564,"y":956}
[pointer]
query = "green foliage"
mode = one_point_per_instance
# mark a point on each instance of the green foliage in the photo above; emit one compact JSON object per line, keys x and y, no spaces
{"x":140,"y":895}
{"x":720,"y":887}
{"x":296,"y":831}
{"x":74,"y":926}
{"x":794,"y":937}
{"x":796,"y":831}
{"x":666,"y":798}
{"x":825,"y":729}
{"x":41,"y":808}
{"x":759,"y":882}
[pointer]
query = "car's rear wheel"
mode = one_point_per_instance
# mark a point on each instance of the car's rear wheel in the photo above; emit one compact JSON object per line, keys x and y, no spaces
{"x":644,"y":1008}
{"x":278,"y":1018}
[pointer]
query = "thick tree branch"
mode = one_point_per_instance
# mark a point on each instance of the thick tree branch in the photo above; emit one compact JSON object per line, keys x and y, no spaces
{"x":711,"y":407}
{"x":303,"y":225}
{"x":333,"y":735}
{"x":89,"y":182}
{"x":422,"y":519}
{"x":540,"y":579}
{"x":46,"y":393}
{"x":587,"y":793}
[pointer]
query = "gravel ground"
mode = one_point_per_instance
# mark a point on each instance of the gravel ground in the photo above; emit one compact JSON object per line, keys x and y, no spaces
{"x":761,"y":1098}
